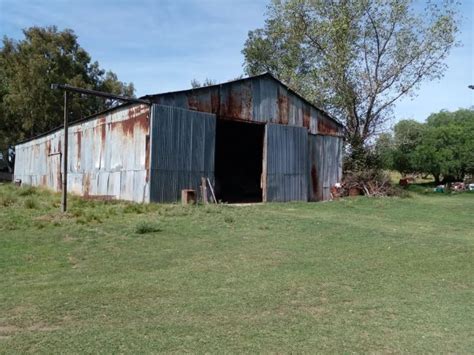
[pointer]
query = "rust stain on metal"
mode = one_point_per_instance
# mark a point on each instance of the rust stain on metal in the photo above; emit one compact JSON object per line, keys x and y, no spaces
{"x":246,"y":102}
{"x":193,"y":101}
{"x":134,"y":122}
{"x":325,"y":126}
{"x":198,"y":102}
{"x":102,"y":126}
{"x":41,"y":159}
{"x":306,"y":116}
{"x":283,"y":108}
{"x":126,"y":126}
{"x":237,"y":103}
{"x":232,"y":107}
{"x":215,"y":101}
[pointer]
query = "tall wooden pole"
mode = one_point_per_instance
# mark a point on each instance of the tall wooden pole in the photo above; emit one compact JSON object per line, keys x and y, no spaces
{"x":65,"y":144}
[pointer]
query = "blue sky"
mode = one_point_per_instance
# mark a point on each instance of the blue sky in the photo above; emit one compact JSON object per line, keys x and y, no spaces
{"x":161,"y":45}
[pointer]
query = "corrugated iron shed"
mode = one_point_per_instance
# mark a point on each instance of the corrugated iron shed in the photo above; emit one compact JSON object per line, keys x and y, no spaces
{"x":138,"y":153}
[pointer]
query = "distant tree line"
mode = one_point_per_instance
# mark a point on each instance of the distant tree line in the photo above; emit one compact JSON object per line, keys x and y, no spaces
{"x":443,"y":146}
{"x":28,"y":67}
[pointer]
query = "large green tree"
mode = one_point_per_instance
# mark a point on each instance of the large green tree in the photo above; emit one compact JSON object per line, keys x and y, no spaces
{"x":443,"y":146}
{"x":446,"y":148}
{"x":354,"y":58}
{"x":28,"y":67}
{"x":408,"y":134}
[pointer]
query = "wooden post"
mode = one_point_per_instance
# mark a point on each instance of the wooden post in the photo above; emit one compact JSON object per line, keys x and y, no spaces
{"x":65,"y":144}
{"x":204,"y":190}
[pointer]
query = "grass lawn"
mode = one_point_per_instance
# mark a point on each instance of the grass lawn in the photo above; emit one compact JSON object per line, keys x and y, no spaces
{"x":356,"y":275}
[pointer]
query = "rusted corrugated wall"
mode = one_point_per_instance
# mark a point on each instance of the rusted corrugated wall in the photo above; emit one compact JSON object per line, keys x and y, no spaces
{"x":261,"y":99}
{"x":182,"y":151}
{"x":325,"y":159}
{"x":108,"y":156}
{"x":286,"y":155}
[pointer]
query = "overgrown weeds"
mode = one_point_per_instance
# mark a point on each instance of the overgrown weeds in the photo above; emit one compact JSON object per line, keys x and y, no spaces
{"x":30,"y":203}
{"x":145,"y":227}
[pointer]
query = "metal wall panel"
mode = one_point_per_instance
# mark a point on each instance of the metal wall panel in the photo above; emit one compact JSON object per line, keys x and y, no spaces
{"x":182,"y":151}
{"x":325,"y":156}
{"x":108,"y":156}
{"x":286,"y":157}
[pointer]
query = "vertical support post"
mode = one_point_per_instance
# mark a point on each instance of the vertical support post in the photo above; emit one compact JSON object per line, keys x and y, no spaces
{"x":65,"y":145}
{"x":204,"y":190}
{"x":263,"y":177}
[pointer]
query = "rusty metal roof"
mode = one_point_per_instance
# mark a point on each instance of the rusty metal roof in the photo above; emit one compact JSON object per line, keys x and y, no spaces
{"x":78,"y":121}
{"x":196,"y":90}
{"x":266,"y":74}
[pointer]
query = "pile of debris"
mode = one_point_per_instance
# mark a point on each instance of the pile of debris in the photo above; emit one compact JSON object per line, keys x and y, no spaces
{"x":372,"y":183}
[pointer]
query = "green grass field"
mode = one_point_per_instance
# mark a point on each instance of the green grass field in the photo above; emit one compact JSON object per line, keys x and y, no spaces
{"x":358,"y":275}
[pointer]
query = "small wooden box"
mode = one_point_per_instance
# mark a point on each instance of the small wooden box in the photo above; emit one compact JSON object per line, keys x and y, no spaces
{"x":188,"y":196}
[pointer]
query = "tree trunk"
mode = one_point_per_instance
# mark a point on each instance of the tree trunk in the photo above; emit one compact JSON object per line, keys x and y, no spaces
{"x":357,"y":159}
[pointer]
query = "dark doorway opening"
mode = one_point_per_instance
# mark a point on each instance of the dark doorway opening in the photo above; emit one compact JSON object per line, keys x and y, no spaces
{"x":238,"y":161}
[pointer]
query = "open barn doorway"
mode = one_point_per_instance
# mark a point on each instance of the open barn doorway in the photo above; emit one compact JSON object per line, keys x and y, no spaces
{"x":238,"y":161}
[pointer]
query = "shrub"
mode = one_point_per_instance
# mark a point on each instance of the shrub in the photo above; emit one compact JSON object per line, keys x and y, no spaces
{"x":229,"y":219}
{"x":7,"y":200}
{"x":145,"y":227}
{"x":31,"y":203}
{"x":134,"y":208}
{"x":27,"y":191}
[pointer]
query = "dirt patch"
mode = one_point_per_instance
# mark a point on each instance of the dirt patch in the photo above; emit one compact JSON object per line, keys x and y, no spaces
{"x":7,"y":331}
{"x":54,"y":218}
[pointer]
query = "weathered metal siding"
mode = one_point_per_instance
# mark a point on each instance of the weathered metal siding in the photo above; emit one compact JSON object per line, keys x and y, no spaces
{"x":182,"y":152}
{"x":259,"y":99}
{"x":286,"y":156}
{"x":108,"y":156}
{"x":325,"y":155}
{"x":38,"y":162}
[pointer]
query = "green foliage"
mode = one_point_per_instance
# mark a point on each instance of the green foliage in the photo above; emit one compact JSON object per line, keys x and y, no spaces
{"x":384,"y":151}
{"x":27,"y":191}
{"x":447,"y":145}
{"x":407,"y":137}
{"x":197,"y":84}
{"x":443,"y":146}
{"x":354,"y":58}
{"x":28,"y":67}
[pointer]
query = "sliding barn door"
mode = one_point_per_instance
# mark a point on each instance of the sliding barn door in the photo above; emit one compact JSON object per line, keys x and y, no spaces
{"x":182,"y":151}
{"x":285,"y":165}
